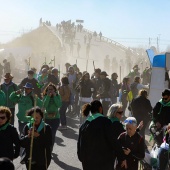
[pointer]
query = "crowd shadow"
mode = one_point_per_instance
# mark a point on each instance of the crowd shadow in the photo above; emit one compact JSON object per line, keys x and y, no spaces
{"x":72,"y":122}
{"x":59,"y":141}
{"x":62,"y":164}
{"x":69,"y":133}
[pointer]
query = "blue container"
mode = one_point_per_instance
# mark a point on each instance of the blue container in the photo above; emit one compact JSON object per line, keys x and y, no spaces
{"x":159,"y":61}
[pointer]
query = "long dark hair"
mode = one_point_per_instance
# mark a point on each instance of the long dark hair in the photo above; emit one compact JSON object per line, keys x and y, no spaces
{"x":46,"y":89}
{"x":94,"y":107}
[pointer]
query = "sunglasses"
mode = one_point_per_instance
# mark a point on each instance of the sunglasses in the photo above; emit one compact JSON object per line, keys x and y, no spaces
{"x":164,"y":98}
{"x":2,"y":118}
{"x":120,"y":112}
{"x":129,"y":122}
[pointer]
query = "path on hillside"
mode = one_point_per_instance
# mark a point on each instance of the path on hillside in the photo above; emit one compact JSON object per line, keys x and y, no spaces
{"x":98,"y":51}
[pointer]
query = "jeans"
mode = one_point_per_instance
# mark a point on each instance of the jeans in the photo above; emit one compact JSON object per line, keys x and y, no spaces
{"x":54,"y":123}
{"x":162,"y":159}
{"x":62,"y":112}
{"x":21,"y":126}
{"x":13,"y":116}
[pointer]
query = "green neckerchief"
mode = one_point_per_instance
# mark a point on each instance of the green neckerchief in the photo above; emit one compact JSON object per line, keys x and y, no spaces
{"x":163,"y":105}
{"x":40,"y":127}
{"x":114,"y":119}
{"x":94,"y":116}
{"x":4,"y":126}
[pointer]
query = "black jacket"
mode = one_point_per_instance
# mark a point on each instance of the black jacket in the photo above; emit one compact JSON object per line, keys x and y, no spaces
{"x":141,"y":108}
{"x":105,"y":89}
{"x":137,"y":146}
{"x":85,"y":88}
{"x":96,"y":145}
{"x":117,"y":128}
{"x":40,"y":143}
{"x":9,"y":143}
{"x":161,"y":114}
{"x":116,"y":88}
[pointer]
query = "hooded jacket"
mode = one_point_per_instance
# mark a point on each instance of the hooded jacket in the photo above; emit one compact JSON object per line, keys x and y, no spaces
{"x":25,"y":102}
{"x":8,"y":89}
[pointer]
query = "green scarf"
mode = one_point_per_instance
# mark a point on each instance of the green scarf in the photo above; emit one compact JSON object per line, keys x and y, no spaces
{"x":94,"y":116}
{"x":163,"y":104}
{"x":4,"y":126}
{"x":40,"y":127}
{"x":114,"y":119}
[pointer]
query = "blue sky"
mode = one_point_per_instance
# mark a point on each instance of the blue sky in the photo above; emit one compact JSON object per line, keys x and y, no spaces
{"x":130,"y":22}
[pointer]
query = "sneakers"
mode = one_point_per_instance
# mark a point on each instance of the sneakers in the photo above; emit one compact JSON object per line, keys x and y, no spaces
{"x":64,"y":127}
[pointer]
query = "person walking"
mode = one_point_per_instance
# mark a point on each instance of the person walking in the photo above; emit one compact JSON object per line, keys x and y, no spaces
{"x":25,"y":102}
{"x":42,"y":141}
{"x":51,"y":103}
{"x":86,"y":88}
{"x":97,"y":143}
{"x":141,"y":109}
{"x":9,"y":138}
{"x":125,"y":89}
{"x":104,"y":92}
{"x":65,"y":94}
{"x":8,"y":87}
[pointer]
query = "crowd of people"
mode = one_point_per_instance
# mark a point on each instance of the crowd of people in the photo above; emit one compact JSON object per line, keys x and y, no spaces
{"x":107,"y":137}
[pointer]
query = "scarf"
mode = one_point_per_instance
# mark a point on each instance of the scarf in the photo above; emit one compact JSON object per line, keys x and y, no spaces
{"x":40,"y":127}
{"x":3,"y":127}
{"x":94,"y":116}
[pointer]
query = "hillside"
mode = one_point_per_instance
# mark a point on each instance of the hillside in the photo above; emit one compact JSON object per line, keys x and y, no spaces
{"x":41,"y":42}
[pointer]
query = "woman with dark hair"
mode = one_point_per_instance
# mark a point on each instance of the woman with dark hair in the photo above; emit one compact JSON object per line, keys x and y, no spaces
{"x":141,"y":107}
{"x":65,"y":93}
{"x":9,"y":139}
{"x":86,"y":89}
{"x":42,"y":142}
{"x":96,"y":142}
{"x":52,"y":102}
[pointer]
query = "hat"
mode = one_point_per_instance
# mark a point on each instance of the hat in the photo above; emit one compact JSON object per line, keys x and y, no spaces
{"x":8,"y":76}
{"x":28,"y":86}
{"x":103,"y":73}
{"x":30,"y":72}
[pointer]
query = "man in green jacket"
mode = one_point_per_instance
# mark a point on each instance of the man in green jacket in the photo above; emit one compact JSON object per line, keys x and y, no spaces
{"x":25,"y":102}
{"x":8,"y":87}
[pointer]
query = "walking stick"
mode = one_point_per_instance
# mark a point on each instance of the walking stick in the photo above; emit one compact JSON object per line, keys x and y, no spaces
{"x":43,"y":109}
{"x":93,"y":66}
{"x":32,"y":133}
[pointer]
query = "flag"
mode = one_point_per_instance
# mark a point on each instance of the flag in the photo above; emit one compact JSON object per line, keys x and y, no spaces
{"x":40,"y":85}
